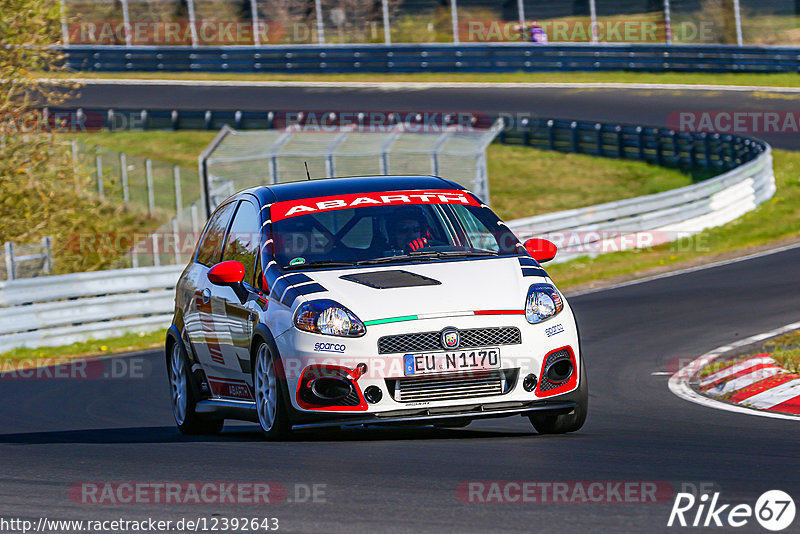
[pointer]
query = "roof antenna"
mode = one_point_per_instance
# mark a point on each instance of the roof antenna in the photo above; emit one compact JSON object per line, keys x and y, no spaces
{"x":307,"y":173}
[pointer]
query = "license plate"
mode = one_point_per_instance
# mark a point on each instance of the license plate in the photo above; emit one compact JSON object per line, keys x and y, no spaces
{"x":445,"y":362}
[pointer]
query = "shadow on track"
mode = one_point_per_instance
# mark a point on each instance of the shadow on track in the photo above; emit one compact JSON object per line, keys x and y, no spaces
{"x":168,"y":434}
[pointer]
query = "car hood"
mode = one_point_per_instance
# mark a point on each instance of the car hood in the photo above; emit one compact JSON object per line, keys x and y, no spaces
{"x":463,"y":286}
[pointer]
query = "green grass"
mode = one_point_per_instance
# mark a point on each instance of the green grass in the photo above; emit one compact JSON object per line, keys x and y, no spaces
{"x":176,"y":148}
{"x":525,"y":182}
{"x":23,"y":357}
{"x":774,"y":221}
{"x":785,"y":350}
{"x":692,"y":78}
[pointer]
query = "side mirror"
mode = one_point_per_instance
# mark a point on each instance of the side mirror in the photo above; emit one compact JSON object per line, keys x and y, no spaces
{"x":542,"y":250}
{"x":226,"y":273}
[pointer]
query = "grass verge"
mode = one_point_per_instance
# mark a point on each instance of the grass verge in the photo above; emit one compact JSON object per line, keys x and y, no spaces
{"x":24,"y":358}
{"x":785,"y":350}
{"x":765,"y":80}
{"x":775,"y":221}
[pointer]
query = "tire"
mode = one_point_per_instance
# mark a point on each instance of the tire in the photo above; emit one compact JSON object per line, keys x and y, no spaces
{"x":270,"y":402}
{"x":183,"y":398}
{"x":569,"y":422}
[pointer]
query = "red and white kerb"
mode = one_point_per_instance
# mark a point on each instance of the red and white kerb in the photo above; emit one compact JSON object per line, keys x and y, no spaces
{"x":293,"y":208}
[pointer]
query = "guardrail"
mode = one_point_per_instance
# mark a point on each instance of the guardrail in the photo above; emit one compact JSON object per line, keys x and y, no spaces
{"x":63,"y":309}
{"x":436,"y":57}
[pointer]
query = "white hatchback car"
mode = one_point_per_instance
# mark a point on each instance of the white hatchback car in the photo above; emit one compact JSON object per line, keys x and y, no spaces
{"x":370,"y":300}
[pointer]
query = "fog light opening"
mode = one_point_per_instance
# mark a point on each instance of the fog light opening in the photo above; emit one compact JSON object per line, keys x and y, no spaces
{"x":529,"y":382}
{"x":373,"y":394}
{"x":330,"y":388}
{"x":559,"y":371}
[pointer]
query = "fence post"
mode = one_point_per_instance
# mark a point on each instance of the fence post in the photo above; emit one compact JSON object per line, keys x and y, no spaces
{"x":387,"y":31}
{"x":254,"y":16}
{"x":98,"y":160}
{"x":737,"y":13}
{"x":454,"y":17}
{"x":156,"y":259}
{"x":195,"y":221}
{"x":64,"y":27}
{"x":620,"y":142}
{"x":320,"y":22}
{"x":177,"y":238}
{"x":593,"y":24}
{"x":599,"y":129}
{"x":47,"y":244}
{"x":126,"y":23}
{"x":667,"y":22}
{"x":576,"y":142}
{"x":75,"y":173}
{"x":192,"y":22}
{"x":551,"y":134}
{"x":521,"y":13}
{"x":123,"y":167}
{"x":10,"y":266}
{"x":151,"y":199}
{"x":176,"y":175}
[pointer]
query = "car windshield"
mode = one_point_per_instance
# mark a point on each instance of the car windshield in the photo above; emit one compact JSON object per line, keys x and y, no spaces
{"x":370,"y":234}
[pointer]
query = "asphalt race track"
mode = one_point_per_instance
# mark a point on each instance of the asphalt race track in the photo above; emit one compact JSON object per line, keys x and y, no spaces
{"x":640,"y":106}
{"x":58,"y":433}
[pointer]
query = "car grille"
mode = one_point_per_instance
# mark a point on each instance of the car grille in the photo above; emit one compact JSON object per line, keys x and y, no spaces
{"x":451,"y":388}
{"x":471,"y":338}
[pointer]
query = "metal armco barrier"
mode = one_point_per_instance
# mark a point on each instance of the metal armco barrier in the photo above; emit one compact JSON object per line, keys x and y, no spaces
{"x":59,"y":310}
{"x":436,"y":57}
{"x":655,"y":219}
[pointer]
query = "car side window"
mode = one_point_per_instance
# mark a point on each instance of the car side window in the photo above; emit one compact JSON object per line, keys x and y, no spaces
{"x":210,"y":247}
{"x":244,"y":238}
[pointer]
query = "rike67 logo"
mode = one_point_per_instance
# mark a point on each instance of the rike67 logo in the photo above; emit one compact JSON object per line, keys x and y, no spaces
{"x":774,"y":510}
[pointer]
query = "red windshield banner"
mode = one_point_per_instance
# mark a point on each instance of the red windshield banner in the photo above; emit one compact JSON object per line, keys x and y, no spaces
{"x":305,"y":206}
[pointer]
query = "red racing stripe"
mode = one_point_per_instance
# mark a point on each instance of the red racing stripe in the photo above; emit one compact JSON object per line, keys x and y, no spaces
{"x":743,"y":372}
{"x":789,"y":406}
{"x":761,"y":387}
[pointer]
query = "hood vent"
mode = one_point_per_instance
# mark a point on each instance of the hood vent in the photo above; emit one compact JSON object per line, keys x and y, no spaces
{"x":390,"y":279}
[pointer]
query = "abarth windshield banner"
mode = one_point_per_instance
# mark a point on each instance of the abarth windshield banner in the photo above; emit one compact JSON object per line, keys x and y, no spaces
{"x":293,"y":208}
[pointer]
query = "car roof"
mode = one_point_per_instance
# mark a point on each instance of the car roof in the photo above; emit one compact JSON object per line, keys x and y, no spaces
{"x":349,"y":185}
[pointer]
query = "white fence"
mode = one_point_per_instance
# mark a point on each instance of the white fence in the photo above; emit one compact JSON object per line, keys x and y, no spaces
{"x":654,"y":219}
{"x":60,"y":310}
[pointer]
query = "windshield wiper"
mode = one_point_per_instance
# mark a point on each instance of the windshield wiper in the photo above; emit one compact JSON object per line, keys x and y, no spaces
{"x":320,"y":263}
{"x":427,"y":254}
{"x":387,"y":259}
{"x":451,"y":253}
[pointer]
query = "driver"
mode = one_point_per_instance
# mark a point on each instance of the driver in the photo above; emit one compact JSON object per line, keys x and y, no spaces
{"x":408,"y":230}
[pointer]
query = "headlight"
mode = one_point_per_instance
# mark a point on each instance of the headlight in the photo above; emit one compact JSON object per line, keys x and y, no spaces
{"x":328,"y":317}
{"x":543,"y":302}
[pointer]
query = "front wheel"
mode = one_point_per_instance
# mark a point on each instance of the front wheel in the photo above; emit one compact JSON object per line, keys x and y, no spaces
{"x":271,"y":411}
{"x":183,"y":400}
{"x":569,"y":422}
